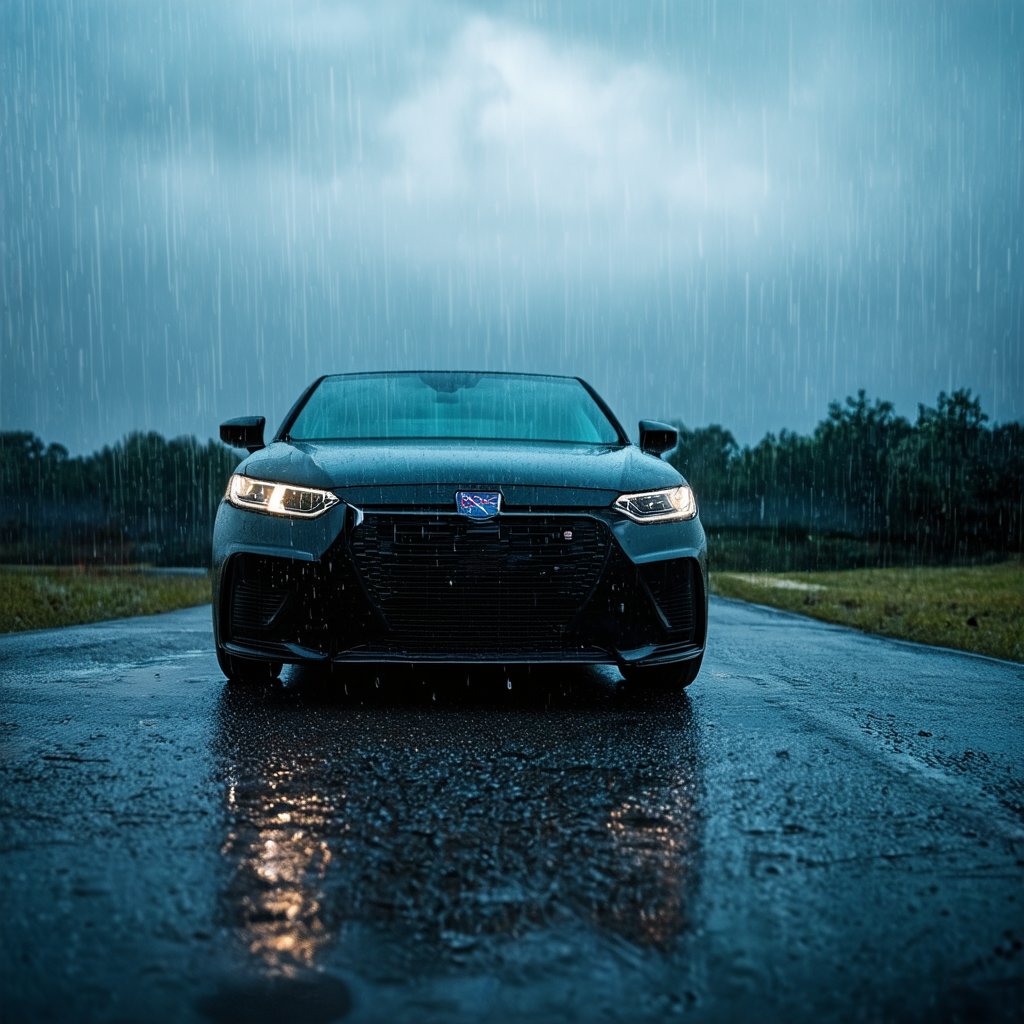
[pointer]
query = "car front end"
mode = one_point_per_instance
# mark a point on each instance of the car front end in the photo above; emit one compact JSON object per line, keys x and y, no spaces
{"x":485,"y":551}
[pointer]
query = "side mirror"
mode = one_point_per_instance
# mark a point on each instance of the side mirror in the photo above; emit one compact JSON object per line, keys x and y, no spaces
{"x":657,"y":438}
{"x":244,"y":432}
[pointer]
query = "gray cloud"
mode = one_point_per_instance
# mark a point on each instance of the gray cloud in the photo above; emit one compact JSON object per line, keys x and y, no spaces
{"x":720,"y":212}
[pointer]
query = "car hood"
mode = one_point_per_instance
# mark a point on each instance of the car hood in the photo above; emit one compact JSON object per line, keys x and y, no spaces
{"x":430,"y":472}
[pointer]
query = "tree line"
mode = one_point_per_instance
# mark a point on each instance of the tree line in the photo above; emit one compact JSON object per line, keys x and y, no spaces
{"x":947,"y":486}
{"x":144,"y":499}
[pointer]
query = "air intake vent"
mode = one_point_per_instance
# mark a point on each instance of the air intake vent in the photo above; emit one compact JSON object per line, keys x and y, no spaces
{"x":253,"y":609}
{"x":673,"y":586}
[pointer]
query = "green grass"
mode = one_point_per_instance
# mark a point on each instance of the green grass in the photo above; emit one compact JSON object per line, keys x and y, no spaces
{"x":46,"y":598}
{"x":980,"y":608}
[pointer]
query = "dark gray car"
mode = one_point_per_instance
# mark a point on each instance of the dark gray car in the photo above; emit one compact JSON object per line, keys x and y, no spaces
{"x":461,"y":518}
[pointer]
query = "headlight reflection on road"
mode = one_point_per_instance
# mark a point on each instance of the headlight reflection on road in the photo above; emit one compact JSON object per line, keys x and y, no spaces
{"x":355,"y":841}
{"x":282,"y":861}
{"x":652,"y":842}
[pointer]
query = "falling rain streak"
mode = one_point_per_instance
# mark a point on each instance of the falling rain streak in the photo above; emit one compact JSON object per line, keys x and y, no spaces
{"x":716,"y":212}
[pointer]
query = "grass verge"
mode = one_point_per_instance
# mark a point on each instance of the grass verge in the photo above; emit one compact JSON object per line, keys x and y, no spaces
{"x":980,"y":608}
{"x":47,"y":598}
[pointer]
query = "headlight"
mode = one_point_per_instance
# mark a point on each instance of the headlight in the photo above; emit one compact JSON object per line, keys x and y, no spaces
{"x":278,"y":499}
{"x":658,"y":506}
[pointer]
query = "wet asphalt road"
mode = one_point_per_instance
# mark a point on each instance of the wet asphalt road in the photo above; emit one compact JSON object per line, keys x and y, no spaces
{"x":825,"y":826}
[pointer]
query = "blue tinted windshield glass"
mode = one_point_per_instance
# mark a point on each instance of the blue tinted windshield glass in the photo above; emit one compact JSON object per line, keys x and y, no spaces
{"x":453,"y":405}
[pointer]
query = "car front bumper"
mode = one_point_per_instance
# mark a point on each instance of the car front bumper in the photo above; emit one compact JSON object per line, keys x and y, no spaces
{"x":399,"y":585}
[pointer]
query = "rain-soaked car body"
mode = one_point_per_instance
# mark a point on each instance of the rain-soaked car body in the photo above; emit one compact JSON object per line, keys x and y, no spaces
{"x":460,"y":518}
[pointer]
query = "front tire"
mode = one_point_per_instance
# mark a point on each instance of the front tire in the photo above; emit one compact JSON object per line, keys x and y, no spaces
{"x":247,"y":671}
{"x":676,"y":676}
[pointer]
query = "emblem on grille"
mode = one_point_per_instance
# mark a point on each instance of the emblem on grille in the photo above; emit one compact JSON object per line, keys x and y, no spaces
{"x":478,"y":504}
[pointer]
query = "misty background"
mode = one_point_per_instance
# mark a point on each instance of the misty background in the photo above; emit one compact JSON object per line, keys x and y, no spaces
{"x":716,"y":212}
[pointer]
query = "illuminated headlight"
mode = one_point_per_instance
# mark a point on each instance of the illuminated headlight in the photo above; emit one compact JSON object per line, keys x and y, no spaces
{"x":658,"y":506}
{"x":278,"y":499}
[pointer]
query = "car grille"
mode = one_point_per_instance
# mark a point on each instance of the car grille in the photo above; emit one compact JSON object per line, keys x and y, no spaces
{"x":514,"y":583}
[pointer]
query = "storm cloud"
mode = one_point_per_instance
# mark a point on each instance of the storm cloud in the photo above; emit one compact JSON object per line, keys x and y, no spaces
{"x":718,"y":212}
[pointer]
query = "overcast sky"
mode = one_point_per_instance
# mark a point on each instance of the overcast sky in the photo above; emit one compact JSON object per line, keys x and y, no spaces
{"x":714,"y":211}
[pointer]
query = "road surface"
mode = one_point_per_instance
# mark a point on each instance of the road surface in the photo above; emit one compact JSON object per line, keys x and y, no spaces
{"x":825,"y":825}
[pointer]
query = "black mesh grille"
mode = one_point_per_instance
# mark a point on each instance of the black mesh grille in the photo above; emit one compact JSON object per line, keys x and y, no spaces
{"x":672,"y":585}
{"x":514,"y":583}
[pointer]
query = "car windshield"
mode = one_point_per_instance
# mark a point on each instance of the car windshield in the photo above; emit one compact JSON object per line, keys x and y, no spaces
{"x":452,"y":405}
